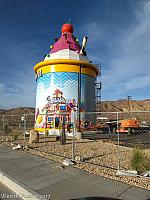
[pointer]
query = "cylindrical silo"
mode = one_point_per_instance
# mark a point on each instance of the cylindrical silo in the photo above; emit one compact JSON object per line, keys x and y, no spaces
{"x":58,"y":78}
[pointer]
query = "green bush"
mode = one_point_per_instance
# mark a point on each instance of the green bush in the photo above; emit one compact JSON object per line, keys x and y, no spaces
{"x":139,"y":161}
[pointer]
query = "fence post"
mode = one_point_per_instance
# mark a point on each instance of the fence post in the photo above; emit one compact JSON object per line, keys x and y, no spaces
{"x":3,"y":128}
{"x":63,"y":134}
{"x":118,"y":141}
{"x":25,"y":129}
{"x":12,"y":118}
{"x":73,"y":138}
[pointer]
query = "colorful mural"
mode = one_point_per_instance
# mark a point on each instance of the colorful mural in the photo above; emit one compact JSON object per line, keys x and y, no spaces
{"x":66,"y":82}
{"x":56,"y":110}
{"x":57,"y":78}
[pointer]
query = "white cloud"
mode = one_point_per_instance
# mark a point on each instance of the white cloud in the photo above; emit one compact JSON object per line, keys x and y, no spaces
{"x":94,"y":32}
{"x":17,"y":87}
{"x":130,"y":70}
{"x":20,"y":95}
{"x":138,"y":83}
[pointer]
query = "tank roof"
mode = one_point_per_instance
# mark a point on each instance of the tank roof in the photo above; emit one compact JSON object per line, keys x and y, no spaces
{"x":67,"y":46}
{"x":66,"y":41}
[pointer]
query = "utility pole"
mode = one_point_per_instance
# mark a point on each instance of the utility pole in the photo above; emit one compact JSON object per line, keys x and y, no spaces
{"x":129,"y":110}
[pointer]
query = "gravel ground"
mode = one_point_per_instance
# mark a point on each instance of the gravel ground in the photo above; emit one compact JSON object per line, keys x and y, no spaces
{"x":100,"y":157}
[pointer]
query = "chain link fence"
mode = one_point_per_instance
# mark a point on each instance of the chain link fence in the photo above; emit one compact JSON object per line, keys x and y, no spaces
{"x":108,"y":138}
{"x":115,"y":135}
{"x":15,"y":127}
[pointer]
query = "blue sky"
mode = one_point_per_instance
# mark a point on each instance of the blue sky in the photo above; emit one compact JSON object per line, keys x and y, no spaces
{"x":118,"y":38}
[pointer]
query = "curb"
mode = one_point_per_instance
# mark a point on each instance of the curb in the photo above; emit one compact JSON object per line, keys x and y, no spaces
{"x":20,"y":190}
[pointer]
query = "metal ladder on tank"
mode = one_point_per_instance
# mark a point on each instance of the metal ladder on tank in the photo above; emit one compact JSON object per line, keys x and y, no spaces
{"x":98,"y":87}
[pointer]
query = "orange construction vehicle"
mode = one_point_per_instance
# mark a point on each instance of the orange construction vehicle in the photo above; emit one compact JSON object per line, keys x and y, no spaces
{"x":131,"y":126}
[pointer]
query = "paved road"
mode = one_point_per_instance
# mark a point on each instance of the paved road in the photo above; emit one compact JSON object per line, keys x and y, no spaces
{"x":47,"y":178}
{"x":6,"y":193}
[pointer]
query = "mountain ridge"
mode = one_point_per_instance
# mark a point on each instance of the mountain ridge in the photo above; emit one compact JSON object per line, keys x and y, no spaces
{"x":121,"y":105}
{"x":124,"y":105}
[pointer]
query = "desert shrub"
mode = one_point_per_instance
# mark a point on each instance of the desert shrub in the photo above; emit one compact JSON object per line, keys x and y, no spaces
{"x":139,"y":161}
{"x":16,"y":135}
{"x":46,"y":133}
{"x":7,"y":129}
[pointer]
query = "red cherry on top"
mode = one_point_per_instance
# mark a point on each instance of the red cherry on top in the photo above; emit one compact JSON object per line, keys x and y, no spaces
{"x":67,"y":28}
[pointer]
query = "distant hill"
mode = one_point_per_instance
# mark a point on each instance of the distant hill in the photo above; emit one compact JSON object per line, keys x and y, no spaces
{"x":106,"y":106}
{"x":2,"y":111}
{"x":18,"y":111}
{"x":123,"y":106}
